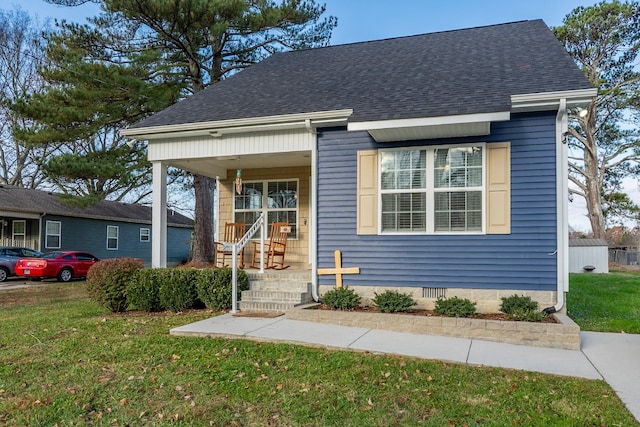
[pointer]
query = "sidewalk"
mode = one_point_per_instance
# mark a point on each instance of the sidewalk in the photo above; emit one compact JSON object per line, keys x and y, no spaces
{"x":612,"y":357}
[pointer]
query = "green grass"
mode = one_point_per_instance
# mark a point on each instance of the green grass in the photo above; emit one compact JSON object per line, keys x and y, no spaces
{"x":64,"y":361}
{"x":605,"y":302}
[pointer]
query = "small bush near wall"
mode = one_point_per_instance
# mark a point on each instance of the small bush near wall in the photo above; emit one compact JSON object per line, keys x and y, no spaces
{"x":455,"y":307}
{"x":341,"y":299}
{"x":107,"y":282}
{"x":519,"y":307}
{"x":393,"y":301}
{"x":214,"y":287}
{"x":143,"y":290}
{"x":178,"y":289}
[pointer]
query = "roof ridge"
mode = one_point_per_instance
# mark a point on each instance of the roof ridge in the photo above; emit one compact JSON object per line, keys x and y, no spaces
{"x":408,"y":36}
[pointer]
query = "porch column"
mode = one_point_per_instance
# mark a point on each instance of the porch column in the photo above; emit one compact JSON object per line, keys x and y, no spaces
{"x":159,"y":216}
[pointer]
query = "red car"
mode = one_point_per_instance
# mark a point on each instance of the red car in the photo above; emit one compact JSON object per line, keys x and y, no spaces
{"x":64,"y":265}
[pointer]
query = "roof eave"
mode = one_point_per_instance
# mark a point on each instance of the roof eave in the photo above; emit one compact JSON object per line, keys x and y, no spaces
{"x":430,"y":127}
{"x":244,"y":125}
{"x":546,"y":101}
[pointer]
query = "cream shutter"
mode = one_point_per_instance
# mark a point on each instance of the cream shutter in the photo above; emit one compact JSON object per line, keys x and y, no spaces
{"x":498,"y":188}
{"x":367,"y":197}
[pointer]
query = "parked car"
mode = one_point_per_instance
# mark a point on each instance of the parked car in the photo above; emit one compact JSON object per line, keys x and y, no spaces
{"x":63,"y":265}
{"x":9,"y":256}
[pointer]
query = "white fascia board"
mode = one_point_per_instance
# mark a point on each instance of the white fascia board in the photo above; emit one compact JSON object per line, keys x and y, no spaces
{"x":245,"y":125}
{"x":430,"y":121}
{"x":551,"y":100}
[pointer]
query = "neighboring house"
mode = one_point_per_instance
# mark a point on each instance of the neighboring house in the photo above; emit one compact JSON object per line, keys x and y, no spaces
{"x":588,"y":256}
{"x":38,"y":219}
{"x":436,"y":163}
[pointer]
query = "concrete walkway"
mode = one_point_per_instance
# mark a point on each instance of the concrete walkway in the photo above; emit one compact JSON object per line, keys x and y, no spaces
{"x":612,"y":357}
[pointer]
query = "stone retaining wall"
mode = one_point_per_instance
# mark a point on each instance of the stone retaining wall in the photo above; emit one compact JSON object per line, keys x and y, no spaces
{"x":564,"y":335}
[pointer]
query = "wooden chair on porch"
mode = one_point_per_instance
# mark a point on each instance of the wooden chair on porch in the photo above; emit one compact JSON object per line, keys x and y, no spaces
{"x":233,"y":231}
{"x":275,"y":249}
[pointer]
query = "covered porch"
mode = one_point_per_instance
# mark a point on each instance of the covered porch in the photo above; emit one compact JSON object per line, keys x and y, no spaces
{"x":275,"y":158}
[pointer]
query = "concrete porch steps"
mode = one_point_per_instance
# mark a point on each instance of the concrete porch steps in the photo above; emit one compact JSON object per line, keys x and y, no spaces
{"x":276,"y":291}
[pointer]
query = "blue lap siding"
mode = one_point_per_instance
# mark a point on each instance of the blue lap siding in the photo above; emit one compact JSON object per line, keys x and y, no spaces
{"x":520,"y":260}
{"x":90,"y":235}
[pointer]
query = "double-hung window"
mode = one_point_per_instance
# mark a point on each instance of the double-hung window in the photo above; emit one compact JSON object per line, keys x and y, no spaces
{"x":53,"y":235}
{"x":113,"y":232}
{"x":277,"y":199}
{"x":432,"y":189}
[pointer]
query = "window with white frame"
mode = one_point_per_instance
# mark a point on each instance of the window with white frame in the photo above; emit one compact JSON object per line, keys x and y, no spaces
{"x":432,"y":189}
{"x":145,"y":235}
{"x":19,"y":230}
{"x":277,"y":199}
{"x":112,"y":237}
{"x":53,"y":235}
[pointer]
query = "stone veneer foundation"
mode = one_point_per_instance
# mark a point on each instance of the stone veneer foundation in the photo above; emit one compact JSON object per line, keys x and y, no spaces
{"x":564,"y":335}
{"x":487,"y":300}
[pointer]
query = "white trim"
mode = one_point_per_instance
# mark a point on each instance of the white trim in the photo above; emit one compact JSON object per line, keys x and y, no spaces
{"x":252,"y":124}
{"x":47,"y":234}
{"x":551,"y":100}
{"x":24,"y":229}
{"x":117,"y":237}
{"x":147,"y":235}
{"x":562,"y":203}
{"x":430,"y":121}
{"x":159,"y":216}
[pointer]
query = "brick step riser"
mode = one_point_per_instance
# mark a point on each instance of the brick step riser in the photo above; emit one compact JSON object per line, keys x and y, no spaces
{"x":269,"y":286}
{"x":265,"y":307}
{"x":286,"y":297}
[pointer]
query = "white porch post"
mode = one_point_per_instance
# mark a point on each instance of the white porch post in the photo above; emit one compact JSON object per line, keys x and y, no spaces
{"x":159,"y":216}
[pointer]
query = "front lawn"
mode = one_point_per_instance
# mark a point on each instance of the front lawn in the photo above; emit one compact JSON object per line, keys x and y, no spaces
{"x":605,"y":302}
{"x":65,"y":361}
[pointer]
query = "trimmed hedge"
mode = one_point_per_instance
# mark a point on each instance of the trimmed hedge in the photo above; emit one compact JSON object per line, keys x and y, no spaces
{"x":107,"y":282}
{"x":143,"y":291}
{"x":214,"y":287}
{"x":393,"y":301}
{"x":178,"y":289}
{"x":341,"y":299}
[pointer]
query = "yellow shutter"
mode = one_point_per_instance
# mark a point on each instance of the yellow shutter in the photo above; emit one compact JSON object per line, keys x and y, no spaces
{"x":367,"y":197}
{"x":498,"y":188}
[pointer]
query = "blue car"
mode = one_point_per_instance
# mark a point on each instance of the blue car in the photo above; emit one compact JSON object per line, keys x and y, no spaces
{"x":9,"y":256}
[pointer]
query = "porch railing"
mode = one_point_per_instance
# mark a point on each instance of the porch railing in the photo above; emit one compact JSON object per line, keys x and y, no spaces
{"x":235,"y":250}
{"x":27,"y":243}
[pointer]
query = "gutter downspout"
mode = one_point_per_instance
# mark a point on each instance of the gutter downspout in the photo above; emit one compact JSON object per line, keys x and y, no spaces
{"x":313,"y":232}
{"x":562,"y":202}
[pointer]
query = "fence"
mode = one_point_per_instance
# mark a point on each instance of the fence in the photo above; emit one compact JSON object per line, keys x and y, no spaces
{"x":623,"y":257}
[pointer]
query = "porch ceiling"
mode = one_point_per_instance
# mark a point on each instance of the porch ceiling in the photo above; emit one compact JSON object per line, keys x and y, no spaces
{"x":218,"y":166}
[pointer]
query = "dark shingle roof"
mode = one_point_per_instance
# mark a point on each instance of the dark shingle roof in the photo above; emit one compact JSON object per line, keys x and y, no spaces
{"x":466,"y":71}
{"x":16,"y":199}
{"x":587,"y":242}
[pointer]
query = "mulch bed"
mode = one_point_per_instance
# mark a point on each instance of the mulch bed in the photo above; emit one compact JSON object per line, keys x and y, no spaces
{"x":430,"y":313}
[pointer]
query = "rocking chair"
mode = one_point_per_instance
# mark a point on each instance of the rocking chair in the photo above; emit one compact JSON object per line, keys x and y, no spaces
{"x":233,"y":231}
{"x":276,"y":248}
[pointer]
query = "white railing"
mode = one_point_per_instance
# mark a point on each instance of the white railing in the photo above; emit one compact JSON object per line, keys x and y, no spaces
{"x":28,"y":243}
{"x":236,"y":248}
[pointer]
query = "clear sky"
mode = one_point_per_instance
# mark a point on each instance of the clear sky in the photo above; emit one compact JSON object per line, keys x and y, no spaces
{"x":360,"y":20}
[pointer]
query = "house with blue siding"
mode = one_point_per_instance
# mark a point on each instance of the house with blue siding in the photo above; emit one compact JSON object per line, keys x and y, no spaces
{"x":39,"y":220}
{"x":435,"y":163}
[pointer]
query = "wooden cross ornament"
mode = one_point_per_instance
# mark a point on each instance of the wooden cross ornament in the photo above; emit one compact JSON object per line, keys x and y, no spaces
{"x":338,"y":270}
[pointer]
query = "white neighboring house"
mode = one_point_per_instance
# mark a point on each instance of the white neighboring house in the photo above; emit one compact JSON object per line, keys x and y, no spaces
{"x":587,"y":253}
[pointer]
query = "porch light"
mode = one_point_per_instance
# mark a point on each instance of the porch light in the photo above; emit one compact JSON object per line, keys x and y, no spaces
{"x":239,"y":181}
{"x":582,"y":112}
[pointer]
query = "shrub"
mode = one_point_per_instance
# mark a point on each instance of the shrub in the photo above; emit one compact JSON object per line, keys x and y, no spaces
{"x":393,"y":301}
{"x":341,"y":299}
{"x":143,"y":290}
{"x":215,"y":289}
{"x":178,"y":289}
{"x":107,"y":282}
{"x":455,"y":307}
{"x":520,"y":307}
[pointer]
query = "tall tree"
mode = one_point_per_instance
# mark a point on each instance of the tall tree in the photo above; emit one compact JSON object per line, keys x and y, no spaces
{"x":604,"y":40}
{"x":96,"y":85}
{"x":206,"y":41}
{"x":21,"y":53}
